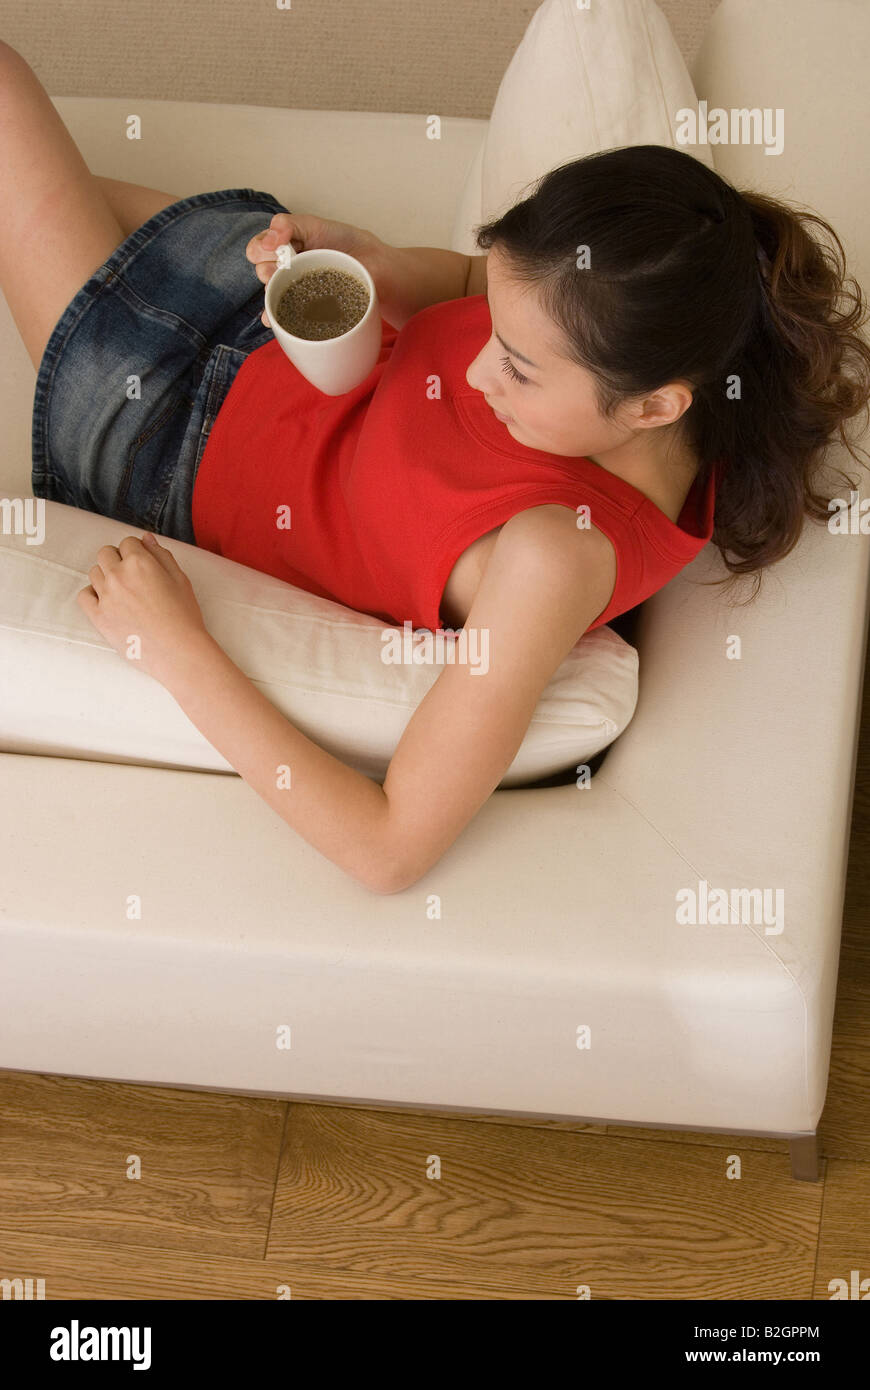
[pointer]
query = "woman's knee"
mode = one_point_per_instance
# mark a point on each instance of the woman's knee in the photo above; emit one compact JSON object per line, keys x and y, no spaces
{"x":13,"y":63}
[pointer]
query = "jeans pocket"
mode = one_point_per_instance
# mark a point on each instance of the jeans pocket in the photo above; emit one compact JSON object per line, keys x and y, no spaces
{"x":149,"y":461}
{"x":171,"y":513}
{"x":218,"y":377}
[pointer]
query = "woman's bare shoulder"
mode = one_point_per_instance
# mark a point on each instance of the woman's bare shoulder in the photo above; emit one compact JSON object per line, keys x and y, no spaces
{"x":554,"y":524}
{"x":579,"y":558}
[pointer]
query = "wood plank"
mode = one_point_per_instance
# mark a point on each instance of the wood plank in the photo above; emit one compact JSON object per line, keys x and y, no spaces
{"x":74,"y":1269}
{"x":844,"y":1239}
{"x":208,"y":1163}
{"x":534,"y":1213}
{"x":844,"y":1129}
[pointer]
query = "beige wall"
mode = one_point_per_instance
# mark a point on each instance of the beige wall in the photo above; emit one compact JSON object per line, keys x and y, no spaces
{"x":446,"y":56}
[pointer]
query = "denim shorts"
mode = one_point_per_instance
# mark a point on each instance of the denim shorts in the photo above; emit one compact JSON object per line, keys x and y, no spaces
{"x":139,"y":362}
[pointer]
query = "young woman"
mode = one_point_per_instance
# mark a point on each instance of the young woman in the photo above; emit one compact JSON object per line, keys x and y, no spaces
{"x":646,"y":359}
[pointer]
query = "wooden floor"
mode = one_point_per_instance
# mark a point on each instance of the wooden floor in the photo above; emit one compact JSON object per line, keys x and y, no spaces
{"x":244,"y":1198}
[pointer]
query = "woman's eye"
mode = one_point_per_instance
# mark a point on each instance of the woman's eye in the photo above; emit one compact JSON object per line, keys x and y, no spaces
{"x":508,"y":366}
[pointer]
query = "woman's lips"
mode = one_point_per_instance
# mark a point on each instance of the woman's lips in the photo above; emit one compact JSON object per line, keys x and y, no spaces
{"x":506,"y":419}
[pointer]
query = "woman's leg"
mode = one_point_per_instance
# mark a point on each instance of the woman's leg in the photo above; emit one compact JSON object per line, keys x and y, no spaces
{"x":133,"y":203}
{"x":56,"y":227}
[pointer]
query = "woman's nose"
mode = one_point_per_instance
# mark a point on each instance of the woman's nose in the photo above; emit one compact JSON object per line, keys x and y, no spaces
{"x":473,"y":375}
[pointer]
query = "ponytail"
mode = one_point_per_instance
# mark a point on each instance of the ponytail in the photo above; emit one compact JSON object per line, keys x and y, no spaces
{"x":808,"y":373}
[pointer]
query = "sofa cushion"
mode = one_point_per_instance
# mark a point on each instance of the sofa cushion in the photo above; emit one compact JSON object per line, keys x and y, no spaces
{"x":581,"y":80}
{"x":65,"y":691}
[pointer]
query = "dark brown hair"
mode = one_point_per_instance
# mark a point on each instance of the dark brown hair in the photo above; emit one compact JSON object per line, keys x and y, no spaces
{"x":690,"y":279}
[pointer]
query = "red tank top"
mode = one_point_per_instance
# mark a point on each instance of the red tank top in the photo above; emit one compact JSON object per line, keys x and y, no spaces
{"x":369,"y":498}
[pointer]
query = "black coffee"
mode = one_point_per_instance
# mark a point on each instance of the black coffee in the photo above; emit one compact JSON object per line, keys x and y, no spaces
{"x":322,"y":304}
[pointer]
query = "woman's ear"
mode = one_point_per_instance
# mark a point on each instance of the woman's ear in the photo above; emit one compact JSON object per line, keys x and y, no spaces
{"x":664,"y":406}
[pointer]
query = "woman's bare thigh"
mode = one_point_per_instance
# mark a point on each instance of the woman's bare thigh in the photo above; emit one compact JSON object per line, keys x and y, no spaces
{"x":56,"y":227}
{"x":133,"y":203}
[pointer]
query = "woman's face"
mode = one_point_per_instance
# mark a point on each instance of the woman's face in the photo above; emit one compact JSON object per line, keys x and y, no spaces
{"x":554,"y":409}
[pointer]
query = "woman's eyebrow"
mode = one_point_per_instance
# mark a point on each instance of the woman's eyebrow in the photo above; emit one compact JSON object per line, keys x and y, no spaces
{"x":513,"y":352}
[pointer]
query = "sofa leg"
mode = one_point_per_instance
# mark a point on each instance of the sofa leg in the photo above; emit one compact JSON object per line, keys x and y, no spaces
{"x":804,"y":1152}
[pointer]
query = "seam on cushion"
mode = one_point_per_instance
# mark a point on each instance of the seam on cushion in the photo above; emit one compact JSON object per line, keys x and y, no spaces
{"x":566,"y":6}
{"x":762,"y":940}
{"x":32,"y":625}
{"x":651,"y":49}
{"x":671,"y":843}
{"x":300,"y":617}
{"x":237,"y":603}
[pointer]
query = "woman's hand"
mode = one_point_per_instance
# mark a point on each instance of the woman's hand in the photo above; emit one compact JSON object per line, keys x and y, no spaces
{"x":143,"y":603}
{"x":306,"y":232}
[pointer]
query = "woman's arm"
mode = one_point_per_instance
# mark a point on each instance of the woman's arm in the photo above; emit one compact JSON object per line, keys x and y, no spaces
{"x":545,"y":582}
{"x":414,"y":277}
{"x":410,"y":278}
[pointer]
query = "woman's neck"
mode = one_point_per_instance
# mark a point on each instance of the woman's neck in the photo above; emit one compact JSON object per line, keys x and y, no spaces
{"x":662,"y":472}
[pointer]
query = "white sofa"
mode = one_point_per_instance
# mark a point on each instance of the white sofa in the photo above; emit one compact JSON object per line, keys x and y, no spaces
{"x":556,"y":908}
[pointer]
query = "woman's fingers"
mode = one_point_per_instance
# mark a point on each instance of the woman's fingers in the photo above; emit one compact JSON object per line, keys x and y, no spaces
{"x":262,"y":249}
{"x":282,"y":229}
{"x":283,"y":222}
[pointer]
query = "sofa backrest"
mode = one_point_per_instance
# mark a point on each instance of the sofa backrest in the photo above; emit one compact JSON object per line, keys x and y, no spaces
{"x":385,"y":55}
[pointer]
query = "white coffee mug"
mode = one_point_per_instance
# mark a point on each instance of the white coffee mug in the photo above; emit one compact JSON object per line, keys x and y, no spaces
{"x":333,"y":365}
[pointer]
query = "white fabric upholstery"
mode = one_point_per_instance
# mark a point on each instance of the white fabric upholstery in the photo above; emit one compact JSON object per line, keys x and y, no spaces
{"x":556,"y":907}
{"x":580,"y":80}
{"x":65,"y":691}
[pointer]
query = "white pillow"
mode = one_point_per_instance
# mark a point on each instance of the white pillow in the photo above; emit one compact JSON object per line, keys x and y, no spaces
{"x":65,"y":691}
{"x":581,"y":80}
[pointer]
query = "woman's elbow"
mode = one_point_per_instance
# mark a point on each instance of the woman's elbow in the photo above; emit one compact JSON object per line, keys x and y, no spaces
{"x":384,"y":878}
{"x":400,"y":861}
{"x":394,"y":875}
{"x":386,"y":883}
{"x":381,"y":868}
